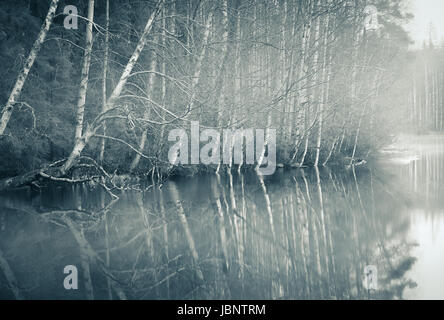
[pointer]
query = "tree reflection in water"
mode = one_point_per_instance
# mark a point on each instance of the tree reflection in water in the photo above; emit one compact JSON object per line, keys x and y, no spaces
{"x":303,"y":234}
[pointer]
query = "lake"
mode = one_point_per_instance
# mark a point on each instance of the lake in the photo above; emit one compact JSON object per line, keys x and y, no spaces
{"x":299,"y":234}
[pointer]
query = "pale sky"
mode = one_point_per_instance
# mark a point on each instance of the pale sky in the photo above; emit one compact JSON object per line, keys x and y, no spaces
{"x":426,"y":12}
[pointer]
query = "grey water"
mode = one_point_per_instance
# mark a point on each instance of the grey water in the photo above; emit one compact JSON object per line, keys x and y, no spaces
{"x":299,"y":234}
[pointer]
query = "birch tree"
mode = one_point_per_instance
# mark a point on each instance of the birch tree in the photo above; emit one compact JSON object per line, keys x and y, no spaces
{"x":85,"y":74}
{"x":149,"y":89}
{"x":325,"y":86}
{"x":91,"y":130}
{"x":105,"y":72}
{"x":20,"y":82}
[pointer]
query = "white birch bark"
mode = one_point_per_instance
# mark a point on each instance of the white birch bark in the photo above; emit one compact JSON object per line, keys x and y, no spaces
{"x":17,"y":89}
{"x":305,"y":85}
{"x":325,"y":88}
{"x":105,"y":71}
{"x":89,"y":132}
{"x":85,"y":73}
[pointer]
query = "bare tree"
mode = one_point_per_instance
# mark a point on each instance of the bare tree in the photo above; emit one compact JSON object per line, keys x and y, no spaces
{"x":85,"y":73}
{"x":91,"y":130}
{"x":20,"y":82}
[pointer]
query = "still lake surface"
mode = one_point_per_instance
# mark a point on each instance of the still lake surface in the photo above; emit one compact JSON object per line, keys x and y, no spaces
{"x":300,"y":234}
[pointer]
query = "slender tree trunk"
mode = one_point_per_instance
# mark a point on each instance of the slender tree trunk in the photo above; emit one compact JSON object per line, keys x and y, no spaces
{"x":293,"y":71}
{"x":282,"y":65}
{"x":17,"y":89}
{"x":299,"y":73}
{"x":89,"y":132}
{"x":333,"y":145}
{"x":163,"y":70}
{"x":199,"y":62}
{"x":149,"y":90}
{"x":353,"y":89}
{"x":306,"y":104}
{"x":85,"y":73}
{"x":221,"y":75}
{"x":325,"y":88}
{"x":105,"y":71}
{"x":316,"y":94}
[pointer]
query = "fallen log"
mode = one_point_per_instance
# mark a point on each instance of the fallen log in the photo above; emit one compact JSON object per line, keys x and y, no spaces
{"x":19,"y":181}
{"x":54,"y":172}
{"x":51,"y":172}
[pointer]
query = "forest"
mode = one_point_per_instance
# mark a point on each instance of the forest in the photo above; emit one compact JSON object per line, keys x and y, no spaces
{"x":426,"y":100}
{"x":104,"y":96}
{"x":93,"y":89}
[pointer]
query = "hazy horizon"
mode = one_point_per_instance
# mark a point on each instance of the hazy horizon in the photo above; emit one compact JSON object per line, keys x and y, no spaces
{"x":426,"y":13}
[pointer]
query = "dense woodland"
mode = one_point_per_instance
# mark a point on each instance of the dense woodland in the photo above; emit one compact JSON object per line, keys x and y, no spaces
{"x":94,"y":105}
{"x":329,"y":75}
{"x":426,"y":85}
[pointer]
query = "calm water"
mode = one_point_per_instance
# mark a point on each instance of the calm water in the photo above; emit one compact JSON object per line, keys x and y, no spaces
{"x":301,"y":234}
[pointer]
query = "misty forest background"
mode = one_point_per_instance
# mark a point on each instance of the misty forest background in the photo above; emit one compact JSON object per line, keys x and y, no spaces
{"x":336,"y":87}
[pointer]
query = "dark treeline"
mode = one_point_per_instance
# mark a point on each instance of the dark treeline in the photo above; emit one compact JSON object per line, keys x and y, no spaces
{"x":108,"y":93}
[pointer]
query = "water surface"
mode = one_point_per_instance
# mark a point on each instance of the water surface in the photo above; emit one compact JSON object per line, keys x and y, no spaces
{"x":300,"y":234}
